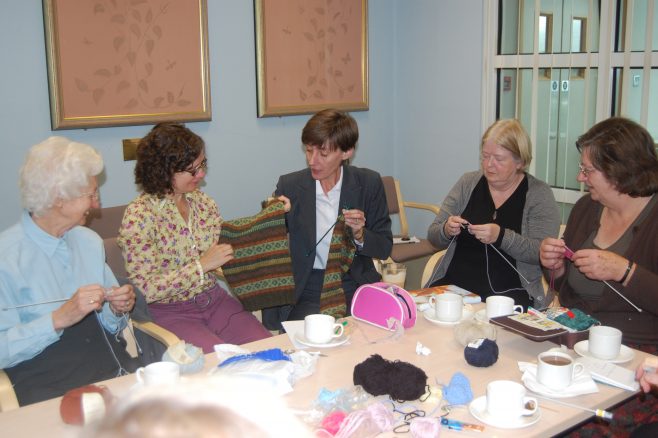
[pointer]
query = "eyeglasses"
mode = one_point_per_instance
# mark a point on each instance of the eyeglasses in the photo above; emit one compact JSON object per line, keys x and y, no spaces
{"x":498,"y":159}
{"x":94,"y":196}
{"x":585,"y":170}
{"x":195,"y":170}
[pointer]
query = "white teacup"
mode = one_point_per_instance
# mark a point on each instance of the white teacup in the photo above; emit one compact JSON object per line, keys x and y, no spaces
{"x":321,"y":329}
{"x":604,"y":342}
{"x":556,"y":370}
{"x":448,"y":307}
{"x":507,"y":400}
{"x":499,"y":305}
{"x":158,"y":373}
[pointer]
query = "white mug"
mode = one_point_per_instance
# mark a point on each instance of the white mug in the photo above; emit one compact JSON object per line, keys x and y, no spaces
{"x":556,"y":370}
{"x":499,"y":305}
{"x":448,"y":307}
{"x":604,"y":342}
{"x":158,"y":373}
{"x":507,"y":400}
{"x":321,"y":329}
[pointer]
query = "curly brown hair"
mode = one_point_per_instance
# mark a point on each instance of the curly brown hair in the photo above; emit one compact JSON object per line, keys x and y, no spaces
{"x":167,"y":149}
{"x":625,"y":152}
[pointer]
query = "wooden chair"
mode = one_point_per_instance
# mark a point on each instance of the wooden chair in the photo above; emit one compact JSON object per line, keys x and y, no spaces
{"x":403,"y":252}
{"x":430,"y":267}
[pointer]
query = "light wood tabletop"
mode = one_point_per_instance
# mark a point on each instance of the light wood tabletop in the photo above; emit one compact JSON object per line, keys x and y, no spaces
{"x":334,"y":371}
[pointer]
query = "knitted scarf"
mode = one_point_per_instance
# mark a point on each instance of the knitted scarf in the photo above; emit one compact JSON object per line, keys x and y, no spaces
{"x":260,"y":274}
{"x":341,"y":253}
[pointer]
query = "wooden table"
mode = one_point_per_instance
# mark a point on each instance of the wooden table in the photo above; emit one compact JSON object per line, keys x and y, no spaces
{"x":335,"y":371}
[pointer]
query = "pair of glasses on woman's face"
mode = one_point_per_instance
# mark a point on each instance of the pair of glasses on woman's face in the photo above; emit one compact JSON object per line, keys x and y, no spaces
{"x":195,"y":170}
{"x":93,"y":196}
{"x":586,"y":171}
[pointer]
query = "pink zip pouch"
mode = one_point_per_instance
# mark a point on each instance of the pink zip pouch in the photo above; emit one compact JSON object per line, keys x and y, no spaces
{"x":376,"y":303}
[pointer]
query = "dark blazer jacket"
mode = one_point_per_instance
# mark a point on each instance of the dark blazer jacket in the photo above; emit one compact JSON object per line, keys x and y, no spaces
{"x":362,"y":189}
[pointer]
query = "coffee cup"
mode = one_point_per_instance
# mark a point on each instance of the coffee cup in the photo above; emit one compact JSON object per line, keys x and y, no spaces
{"x":321,"y":329}
{"x":507,"y":400}
{"x":604,"y":342}
{"x":158,"y":373}
{"x":499,"y":305}
{"x":448,"y":307}
{"x":394,"y":273}
{"x":556,"y":370}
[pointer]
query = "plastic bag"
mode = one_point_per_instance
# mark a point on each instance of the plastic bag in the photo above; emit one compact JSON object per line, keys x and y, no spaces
{"x":274,"y":368}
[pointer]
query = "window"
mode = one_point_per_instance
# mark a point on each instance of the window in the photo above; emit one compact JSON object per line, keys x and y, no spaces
{"x":560,"y":66}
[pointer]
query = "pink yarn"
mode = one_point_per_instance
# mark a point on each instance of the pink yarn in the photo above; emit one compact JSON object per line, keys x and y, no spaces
{"x":425,"y":427}
{"x":332,"y":422}
{"x":374,"y":419}
{"x":382,"y":416}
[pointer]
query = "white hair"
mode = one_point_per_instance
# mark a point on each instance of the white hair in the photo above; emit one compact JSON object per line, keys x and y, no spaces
{"x":56,"y":168}
{"x":217,"y":406}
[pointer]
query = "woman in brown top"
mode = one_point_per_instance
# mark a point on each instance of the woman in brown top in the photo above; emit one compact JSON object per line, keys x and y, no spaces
{"x":613,"y":232}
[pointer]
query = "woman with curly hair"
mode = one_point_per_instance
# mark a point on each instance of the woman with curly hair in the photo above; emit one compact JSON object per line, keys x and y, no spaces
{"x":169,"y":237}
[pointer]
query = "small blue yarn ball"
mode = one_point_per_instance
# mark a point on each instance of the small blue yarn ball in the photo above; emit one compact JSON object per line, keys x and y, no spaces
{"x":481,"y":353}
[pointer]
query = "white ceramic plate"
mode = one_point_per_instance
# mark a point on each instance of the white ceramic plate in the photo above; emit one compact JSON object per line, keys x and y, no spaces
{"x":625,"y":354}
{"x":430,"y":315}
{"x":570,"y":391}
{"x":478,"y":409}
{"x":299,"y":337}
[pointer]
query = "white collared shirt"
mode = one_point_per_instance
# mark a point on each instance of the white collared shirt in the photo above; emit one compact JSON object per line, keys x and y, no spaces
{"x":326,"y":213}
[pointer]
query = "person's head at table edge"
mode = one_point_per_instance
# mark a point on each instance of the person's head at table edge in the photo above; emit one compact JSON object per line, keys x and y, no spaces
{"x":171,"y":160}
{"x":58,"y":183}
{"x":623,"y":153}
{"x":329,"y":139}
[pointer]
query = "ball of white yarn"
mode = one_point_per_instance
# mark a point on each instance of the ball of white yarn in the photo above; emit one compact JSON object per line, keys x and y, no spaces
{"x":468,"y":331}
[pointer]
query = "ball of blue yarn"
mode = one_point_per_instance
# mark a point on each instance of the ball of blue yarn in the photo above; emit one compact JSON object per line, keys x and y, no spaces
{"x":481,"y":353}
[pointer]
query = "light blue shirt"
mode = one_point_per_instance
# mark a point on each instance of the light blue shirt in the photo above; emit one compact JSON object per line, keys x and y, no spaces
{"x":35,"y":267}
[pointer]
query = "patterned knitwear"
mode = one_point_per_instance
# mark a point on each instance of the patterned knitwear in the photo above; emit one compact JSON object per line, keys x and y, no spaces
{"x":341,"y":254}
{"x":260,"y":274}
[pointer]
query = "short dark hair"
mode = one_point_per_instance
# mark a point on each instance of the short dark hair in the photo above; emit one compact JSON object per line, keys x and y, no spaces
{"x":625,"y":153}
{"x":333,"y":128}
{"x":168,"y":148}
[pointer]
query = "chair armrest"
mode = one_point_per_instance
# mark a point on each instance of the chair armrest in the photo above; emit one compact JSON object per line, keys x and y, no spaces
{"x":430,"y":266}
{"x":155,"y":331}
{"x":8,"y":400}
{"x":423,"y":206}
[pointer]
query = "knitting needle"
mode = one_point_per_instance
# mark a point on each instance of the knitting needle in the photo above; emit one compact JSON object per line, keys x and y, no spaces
{"x":606,"y":415}
{"x":35,"y":304}
{"x":619,"y":293}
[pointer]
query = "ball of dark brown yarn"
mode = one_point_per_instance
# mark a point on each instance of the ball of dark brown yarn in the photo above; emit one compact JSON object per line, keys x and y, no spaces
{"x":400,"y":380}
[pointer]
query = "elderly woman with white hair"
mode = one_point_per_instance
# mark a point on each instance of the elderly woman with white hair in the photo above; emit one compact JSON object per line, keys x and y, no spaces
{"x":60,"y":304}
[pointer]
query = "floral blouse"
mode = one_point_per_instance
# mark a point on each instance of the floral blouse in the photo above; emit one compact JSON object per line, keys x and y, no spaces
{"x":162,"y":252}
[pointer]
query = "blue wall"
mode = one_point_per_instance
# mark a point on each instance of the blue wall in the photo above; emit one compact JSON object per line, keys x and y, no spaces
{"x":422,"y":126}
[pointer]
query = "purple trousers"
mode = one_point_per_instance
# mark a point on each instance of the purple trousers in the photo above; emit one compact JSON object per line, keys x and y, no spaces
{"x":211,"y":317}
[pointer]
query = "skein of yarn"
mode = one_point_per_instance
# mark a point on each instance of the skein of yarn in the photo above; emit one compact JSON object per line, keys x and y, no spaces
{"x":481,"y":353}
{"x":400,"y":380}
{"x":468,"y":331}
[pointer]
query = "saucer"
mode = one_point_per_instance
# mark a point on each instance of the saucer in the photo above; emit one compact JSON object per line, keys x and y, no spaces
{"x":478,"y":409}
{"x":625,"y":354}
{"x":430,"y":315}
{"x":335,"y":342}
